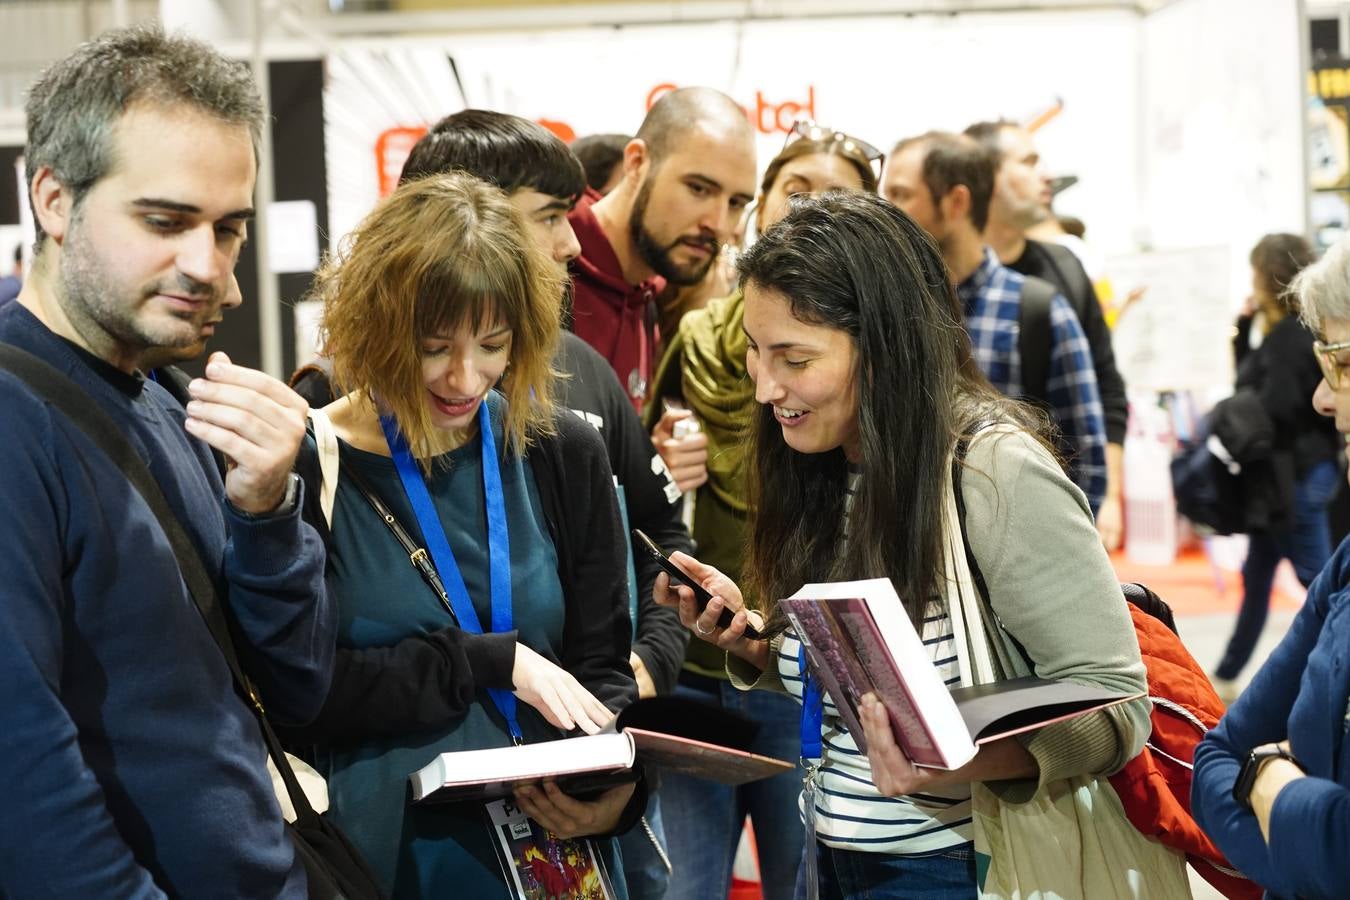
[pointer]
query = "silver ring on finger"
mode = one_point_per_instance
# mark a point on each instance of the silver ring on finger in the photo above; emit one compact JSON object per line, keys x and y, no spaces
{"x":699,"y":628}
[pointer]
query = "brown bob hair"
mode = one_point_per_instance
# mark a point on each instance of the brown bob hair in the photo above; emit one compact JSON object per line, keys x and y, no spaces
{"x":441,"y":254}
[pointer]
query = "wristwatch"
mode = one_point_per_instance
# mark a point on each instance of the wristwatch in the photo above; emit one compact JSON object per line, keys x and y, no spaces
{"x":1242,"y":788}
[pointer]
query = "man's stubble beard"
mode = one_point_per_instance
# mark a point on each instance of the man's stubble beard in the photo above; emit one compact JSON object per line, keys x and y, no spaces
{"x":100,"y":307}
{"x":656,"y":256}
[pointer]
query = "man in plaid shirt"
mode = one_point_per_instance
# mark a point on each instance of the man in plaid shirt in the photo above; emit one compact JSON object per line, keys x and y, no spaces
{"x":944,"y":182}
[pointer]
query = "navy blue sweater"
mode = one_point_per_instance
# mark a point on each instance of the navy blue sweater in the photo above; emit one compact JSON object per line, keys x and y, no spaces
{"x":129,"y":767}
{"x":1301,"y":694}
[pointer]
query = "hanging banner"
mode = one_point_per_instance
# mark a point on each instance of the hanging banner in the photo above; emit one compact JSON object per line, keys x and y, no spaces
{"x":1329,"y":147}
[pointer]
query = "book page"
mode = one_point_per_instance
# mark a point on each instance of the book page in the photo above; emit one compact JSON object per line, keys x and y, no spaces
{"x":702,"y":760}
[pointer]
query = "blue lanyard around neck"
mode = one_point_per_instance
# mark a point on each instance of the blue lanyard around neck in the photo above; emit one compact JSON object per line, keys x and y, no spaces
{"x":813,"y":709}
{"x":433,"y":532}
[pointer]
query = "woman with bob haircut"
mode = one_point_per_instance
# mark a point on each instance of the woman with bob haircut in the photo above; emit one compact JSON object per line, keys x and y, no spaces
{"x":441,"y":318}
{"x":865,"y":384}
{"x":704,"y":370}
{"x":1272,"y":779}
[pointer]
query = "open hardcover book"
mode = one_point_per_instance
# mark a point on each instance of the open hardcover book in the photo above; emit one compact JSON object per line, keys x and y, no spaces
{"x":859,"y":639}
{"x":668,"y":732}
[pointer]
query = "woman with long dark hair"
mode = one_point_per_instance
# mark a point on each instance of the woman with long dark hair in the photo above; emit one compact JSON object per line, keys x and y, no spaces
{"x":865,"y":384}
{"x":703,"y":370}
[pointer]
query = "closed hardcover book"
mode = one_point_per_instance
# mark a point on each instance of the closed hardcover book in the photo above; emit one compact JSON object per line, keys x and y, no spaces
{"x":665,"y":732}
{"x":860,"y":640}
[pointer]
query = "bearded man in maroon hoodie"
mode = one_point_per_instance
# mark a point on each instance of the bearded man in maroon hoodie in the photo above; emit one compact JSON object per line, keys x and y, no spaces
{"x":687,"y":178}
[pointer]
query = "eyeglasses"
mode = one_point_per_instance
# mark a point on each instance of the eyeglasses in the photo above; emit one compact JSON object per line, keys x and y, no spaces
{"x":806,"y":130}
{"x":1332,"y":368}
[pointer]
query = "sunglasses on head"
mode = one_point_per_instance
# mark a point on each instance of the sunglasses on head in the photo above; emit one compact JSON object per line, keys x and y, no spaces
{"x":807,"y":130}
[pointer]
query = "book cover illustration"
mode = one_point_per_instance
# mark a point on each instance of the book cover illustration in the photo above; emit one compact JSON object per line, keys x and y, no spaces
{"x":541,"y":866}
{"x":849,"y":656}
{"x":841,"y":679}
{"x":867,"y":642}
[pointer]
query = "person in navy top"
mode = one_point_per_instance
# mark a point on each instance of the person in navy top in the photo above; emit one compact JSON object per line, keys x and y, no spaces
{"x":1272,"y":780}
{"x":131,"y":766}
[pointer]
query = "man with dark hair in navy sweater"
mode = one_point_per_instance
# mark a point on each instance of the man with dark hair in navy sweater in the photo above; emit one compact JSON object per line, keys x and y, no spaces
{"x":130,"y":766}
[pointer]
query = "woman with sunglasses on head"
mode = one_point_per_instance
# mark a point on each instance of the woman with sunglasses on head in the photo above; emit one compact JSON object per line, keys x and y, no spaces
{"x":1283,"y":375}
{"x":864,"y":385}
{"x":703,"y":370}
{"x":1272,"y":779}
{"x":441,"y":320}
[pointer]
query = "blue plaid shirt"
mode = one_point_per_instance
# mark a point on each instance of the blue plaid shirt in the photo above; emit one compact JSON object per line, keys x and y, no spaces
{"x":992,"y":297}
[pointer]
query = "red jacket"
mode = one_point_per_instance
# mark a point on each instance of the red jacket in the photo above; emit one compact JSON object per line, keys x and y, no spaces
{"x":1155,"y":787}
{"x":618,"y":319}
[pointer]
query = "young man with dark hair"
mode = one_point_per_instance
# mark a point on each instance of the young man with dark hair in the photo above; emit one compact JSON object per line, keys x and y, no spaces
{"x":688,"y":176}
{"x":1022,"y":199}
{"x":945,"y":182}
{"x":132,"y":765}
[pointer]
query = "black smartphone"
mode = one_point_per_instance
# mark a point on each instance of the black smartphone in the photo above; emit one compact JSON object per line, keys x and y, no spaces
{"x":678,"y":576}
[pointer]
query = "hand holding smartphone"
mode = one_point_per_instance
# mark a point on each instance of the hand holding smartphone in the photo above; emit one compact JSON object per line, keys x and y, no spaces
{"x":679,"y":576}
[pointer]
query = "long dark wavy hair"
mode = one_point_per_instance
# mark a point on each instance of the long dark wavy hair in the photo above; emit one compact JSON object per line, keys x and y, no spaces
{"x":855,"y":262}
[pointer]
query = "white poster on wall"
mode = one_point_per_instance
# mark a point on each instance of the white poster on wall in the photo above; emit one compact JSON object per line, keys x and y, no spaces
{"x":292,"y":236}
{"x":1177,"y":335}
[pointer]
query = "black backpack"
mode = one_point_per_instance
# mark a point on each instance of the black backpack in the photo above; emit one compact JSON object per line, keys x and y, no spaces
{"x":1033,"y":337}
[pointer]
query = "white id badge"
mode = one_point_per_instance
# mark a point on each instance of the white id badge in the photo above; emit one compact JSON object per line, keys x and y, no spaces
{"x":537,"y":864}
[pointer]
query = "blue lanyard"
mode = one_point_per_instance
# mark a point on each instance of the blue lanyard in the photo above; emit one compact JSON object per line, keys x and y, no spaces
{"x":813,"y":708}
{"x":433,"y":532}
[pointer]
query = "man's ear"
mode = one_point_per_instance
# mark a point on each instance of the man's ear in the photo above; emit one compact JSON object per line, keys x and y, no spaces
{"x":956,"y":205}
{"x":53,"y":204}
{"x":635,"y":159}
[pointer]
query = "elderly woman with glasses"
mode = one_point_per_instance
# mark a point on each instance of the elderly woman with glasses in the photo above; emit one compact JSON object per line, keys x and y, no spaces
{"x":1272,"y":781}
{"x":1283,"y":375}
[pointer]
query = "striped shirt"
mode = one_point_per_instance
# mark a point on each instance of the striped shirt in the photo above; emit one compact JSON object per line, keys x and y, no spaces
{"x":850,"y":813}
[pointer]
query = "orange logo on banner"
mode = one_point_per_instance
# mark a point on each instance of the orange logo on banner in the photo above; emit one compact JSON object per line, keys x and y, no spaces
{"x":391,"y":152}
{"x":393,"y":146}
{"x":561,"y":129}
{"x":767,"y":117}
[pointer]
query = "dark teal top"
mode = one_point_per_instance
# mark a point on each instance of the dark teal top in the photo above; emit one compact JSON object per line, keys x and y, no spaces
{"x":429,"y":851}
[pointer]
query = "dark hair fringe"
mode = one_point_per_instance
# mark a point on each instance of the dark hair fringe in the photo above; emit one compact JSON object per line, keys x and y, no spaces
{"x":505,"y":150}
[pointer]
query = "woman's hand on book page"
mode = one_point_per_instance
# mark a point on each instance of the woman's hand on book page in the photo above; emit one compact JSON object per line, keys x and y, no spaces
{"x":568,"y":817}
{"x":558,"y":696}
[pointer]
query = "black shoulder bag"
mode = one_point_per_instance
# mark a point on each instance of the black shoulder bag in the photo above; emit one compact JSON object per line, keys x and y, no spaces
{"x":335,"y":868}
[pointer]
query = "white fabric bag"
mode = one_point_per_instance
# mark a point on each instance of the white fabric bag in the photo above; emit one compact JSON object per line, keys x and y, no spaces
{"x":1071,"y":841}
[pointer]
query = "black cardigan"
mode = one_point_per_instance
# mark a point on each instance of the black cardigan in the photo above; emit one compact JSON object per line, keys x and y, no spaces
{"x":429,"y":681}
{"x":592,"y":391}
